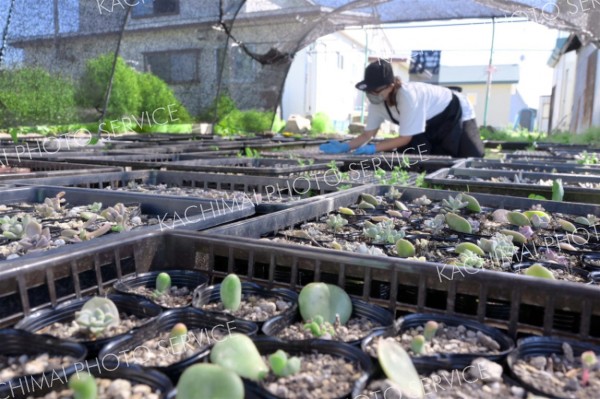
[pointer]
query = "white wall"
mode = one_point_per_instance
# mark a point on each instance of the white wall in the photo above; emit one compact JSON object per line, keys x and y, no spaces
{"x":596,"y":112}
{"x":322,"y":78}
{"x":564,"y":80}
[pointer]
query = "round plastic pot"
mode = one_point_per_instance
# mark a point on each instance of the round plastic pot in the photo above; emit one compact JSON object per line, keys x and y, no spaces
{"x":18,"y":343}
{"x":587,"y":260}
{"x":193,"y":319}
{"x":543,"y":346}
{"x":458,"y":359}
{"x":179,"y":278}
{"x":212,"y":294}
{"x":65,"y":313}
{"x":518,"y":267}
{"x":267,"y":345}
{"x":359,"y":309}
{"x":156,"y":380}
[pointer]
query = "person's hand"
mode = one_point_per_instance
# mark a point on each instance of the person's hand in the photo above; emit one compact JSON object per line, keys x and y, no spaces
{"x":334,"y":147}
{"x":367,"y":149}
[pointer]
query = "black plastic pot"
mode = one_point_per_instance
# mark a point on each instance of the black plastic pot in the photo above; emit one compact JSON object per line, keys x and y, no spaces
{"x":180,"y":278}
{"x":19,"y":342}
{"x":543,"y":346}
{"x":65,"y":312}
{"x":193,"y":319}
{"x":587,"y":260}
{"x":359,"y":309}
{"x":156,"y":380}
{"x":460,"y":359}
{"x":267,"y":345}
{"x":212,"y":294}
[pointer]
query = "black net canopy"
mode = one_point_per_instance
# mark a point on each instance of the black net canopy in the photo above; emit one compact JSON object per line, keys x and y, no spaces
{"x":67,"y":61}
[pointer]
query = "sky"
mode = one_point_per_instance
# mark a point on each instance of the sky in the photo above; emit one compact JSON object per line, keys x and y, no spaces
{"x":525,"y":43}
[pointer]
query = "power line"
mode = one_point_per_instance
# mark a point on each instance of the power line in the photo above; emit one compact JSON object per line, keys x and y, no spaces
{"x":406,"y":26}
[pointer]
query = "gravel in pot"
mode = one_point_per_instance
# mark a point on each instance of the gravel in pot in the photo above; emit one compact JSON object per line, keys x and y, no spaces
{"x":60,"y":321}
{"x":258,"y":304}
{"x":152,"y":345}
{"x":482,"y":379}
{"x":180,"y":293}
{"x":25,"y":357}
{"x":329,"y":370}
{"x":459,"y":340}
{"x":365,"y":319}
{"x":121,"y":383}
{"x":555,"y":368}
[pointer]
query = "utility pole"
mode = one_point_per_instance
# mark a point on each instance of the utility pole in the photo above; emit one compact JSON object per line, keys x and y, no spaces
{"x":490,"y":70}
{"x":362,"y":96}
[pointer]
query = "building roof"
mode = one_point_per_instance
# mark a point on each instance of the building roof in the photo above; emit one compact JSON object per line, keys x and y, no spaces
{"x":476,"y":74}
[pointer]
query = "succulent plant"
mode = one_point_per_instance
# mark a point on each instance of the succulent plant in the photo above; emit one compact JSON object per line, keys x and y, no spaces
{"x":346,"y":211}
{"x":79,"y":235}
{"x":468,"y":246}
{"x":320,"y":328}
{"x":365,"y":205}
{"x":400,"y":205}
{"x":454,"y":204}
{"x":239,"y":354}
{"x":368,"y":198}
{"x":588,"y":361}
{"x":97,"y":315}
{"x":393,"y":193}
{"x":558,"y":192}
{"x":231,"y":292}
{"x":51,"y":207}
{"x":536,"y":212}
{"x":500,"y":246}
{"x":117,"y":214}
{"x":13,"y":228}
{"x":517,"y":237}
{"x":83,"y":385}
{"x":540,"y":222}
{"x":209,"y":381}
{"x":472,"y":203}
{"x":368,"y":250}
{"x":326,"y":300}
{"x":163,"y":284}
{"x":537,"y":270}
{"x":405,"y":249}
{"x":282,"y":365}
{"x":590,"y":220}
{"x":422,"y":201}
{"x":417,"y":344}
{"x":430,"y":329}
{"x":436,"y":224}
{"x":467,"y":258}
{"x":96,"y":207}
{"x":336,"y":222}
{"x":35,"y":237}
{"x":383,"y":233}
{"x":178,"y":337}
{"x":399,"y":368}
{"x":566,"y":225}
{"x":518,"y":219}
{"x":526,"y":231}
{"x":458,"y":223}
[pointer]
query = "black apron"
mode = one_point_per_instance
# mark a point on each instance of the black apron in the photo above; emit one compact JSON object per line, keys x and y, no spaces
{"x":442,"y":134}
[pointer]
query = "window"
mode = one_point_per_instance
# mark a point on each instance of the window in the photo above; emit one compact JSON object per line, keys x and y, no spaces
{"x":243,"y":67}
{"x":174,"y":66}
{"x":155,"y":8}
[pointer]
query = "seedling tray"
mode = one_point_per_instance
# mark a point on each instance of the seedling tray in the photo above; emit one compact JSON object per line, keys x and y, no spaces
{"x":248,"y":166}
{"x":201,"y":214}
{"x":50,"y":169}
{"x":507,"y":145}
{"x":460,"y":181}
{"x":139,"y":161}
{"x":495,"y":164}
{"x":411,"y":286}
{"x":273,"y":193}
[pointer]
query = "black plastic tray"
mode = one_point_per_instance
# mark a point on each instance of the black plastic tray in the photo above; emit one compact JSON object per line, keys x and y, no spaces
{"x":507,"y":166}
{"x":193,"y":319}
{"x":271,"y":189}
{"x":248,"y":166}
{"x":201,"y":214}
{"x":41,"y":168}
{"x":141,"y":161}
{"x":65,"y":312}
{"x":571,"y":194}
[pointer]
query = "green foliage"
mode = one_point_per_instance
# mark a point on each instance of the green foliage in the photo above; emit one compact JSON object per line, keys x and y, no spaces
{"x":97,"y":315}
{"x":558,"y":192}
{"x":163,"y":284}
{"x":239,"y":354}
{"x":84,"y":386}
{"x":231,"y":292}
{"x":157,"y":99}
{"x":536,"y":197}
{"x":510,"y":135}
{"x":240,"y":122}
{"x":125,"y":98}
{"x":278,"y":124}
{"x":398,"y":367}
{"x":283,"y":365}
{"x":222,"y":106}
{"x":325,"y":300}
{"x":32,"y":95}
{"x":321,"y":123}
{"x":318,"y":327}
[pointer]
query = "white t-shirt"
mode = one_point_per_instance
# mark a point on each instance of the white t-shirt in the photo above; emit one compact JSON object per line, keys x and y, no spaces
{"x":418,"y":102}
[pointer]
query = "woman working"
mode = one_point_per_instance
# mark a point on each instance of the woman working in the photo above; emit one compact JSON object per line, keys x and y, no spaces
{"x":433,"y":118}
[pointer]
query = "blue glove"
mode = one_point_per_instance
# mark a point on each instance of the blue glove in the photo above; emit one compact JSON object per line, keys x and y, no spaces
{"x":334,"y":147}
{"x":367,"y":149}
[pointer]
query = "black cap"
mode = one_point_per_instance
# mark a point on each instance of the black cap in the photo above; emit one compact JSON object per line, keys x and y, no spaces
{"x":377,"y":74}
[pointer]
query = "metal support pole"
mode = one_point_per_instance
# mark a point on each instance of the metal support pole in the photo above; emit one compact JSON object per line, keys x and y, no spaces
{"x":488,"y":88}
